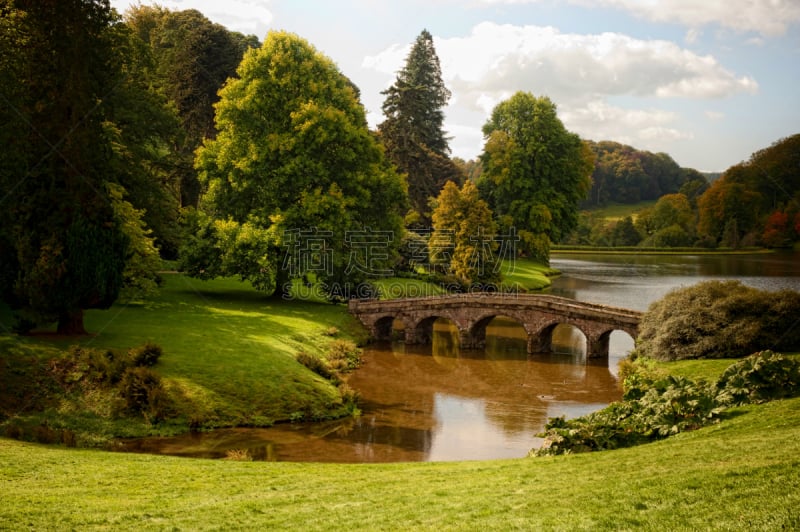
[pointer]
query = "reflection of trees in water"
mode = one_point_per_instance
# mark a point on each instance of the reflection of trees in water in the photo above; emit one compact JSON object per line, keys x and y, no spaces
{"x":514,"y":386}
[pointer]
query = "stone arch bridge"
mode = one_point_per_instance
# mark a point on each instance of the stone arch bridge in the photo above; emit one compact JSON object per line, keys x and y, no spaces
{"x":471,"y":313}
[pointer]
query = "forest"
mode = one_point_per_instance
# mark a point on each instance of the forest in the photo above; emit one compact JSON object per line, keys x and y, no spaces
{"x":131,"y":139}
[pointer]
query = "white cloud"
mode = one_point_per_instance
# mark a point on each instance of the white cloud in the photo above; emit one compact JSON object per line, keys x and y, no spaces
{"x":581,"y":73}
{"x":767,"y":17}
{"x":497,"y":59}
{"x":714,"y":115}
{"x":648,"y":129}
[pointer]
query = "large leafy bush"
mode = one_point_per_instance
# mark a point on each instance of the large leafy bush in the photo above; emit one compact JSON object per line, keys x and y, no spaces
{"x":719,"y":319}
{"x":656,"y":406}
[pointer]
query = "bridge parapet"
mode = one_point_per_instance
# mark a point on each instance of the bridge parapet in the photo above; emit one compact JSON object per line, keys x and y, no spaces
{"x":538,"y":314}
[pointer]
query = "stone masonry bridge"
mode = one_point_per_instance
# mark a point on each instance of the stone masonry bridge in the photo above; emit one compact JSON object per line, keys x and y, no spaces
{"x":471,"y":313}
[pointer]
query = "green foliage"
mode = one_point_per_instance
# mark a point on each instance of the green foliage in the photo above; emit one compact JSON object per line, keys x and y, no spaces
{"x":719,"y":319}
{"x":342,"y":356}
{"x":146,"y":355}
{"x":761,"y":377}
{"x":143,"y":393}
{"x":191,"y":58}
{"x":464,"y":236}
{"x":67,"y":248}
{"x":226,"y":248}
{"x":623,"y":174}
{"x":293,"y":141}
{"x":534,"y":171}
{"x":140,"y":277}
{"x":655,"y":405}
{"x":413,"y":130}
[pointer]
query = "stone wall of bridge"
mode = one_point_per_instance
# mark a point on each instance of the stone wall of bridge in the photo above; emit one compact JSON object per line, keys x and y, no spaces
{"x":471,"y":313}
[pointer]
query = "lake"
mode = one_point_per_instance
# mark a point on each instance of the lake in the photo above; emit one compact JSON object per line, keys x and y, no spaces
{"x":438,"y":403}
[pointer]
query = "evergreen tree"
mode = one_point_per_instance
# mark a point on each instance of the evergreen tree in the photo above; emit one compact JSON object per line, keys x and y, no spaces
{"x":63,"y":246}
{"x":413,"y":130}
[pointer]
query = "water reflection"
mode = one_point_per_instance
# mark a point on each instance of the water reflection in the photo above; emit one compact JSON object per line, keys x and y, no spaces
{"x":635,"y":281}
{"x":434,"y":403}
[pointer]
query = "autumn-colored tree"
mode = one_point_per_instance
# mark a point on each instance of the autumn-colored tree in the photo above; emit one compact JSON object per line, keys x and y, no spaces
{"x":464,"y":235}
{"x":777,"y":231}
{"x":725,"y":201}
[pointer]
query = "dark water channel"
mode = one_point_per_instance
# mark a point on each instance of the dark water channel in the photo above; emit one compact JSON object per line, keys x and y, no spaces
{"x":437,"y":403}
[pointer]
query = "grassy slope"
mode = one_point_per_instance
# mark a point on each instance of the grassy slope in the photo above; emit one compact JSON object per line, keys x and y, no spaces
{"x":743,"y":474}
{"x":229,"y":351}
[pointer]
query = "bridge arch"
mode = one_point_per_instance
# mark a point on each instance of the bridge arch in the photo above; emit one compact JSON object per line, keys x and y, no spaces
{"x":538,"y":314}
{"x":476,"y":334}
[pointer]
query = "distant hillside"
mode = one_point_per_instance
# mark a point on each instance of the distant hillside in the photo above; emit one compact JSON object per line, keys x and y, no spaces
{"x":625,"y":175}
{"x":712,"y":176}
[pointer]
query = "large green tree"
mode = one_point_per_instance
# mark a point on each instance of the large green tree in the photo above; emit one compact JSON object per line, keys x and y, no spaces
{"x":535,"y":172}
{"x":63,"y":246}
{"x":193,"y":57}
{"x":413,"y":132}
{"x":293,"y":148}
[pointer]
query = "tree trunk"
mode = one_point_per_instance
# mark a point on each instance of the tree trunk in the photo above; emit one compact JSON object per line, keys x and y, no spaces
{"x":70,"y":323}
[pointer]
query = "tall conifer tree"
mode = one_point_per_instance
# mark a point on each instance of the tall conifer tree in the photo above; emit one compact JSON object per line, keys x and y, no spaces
{"x":413,"y":131}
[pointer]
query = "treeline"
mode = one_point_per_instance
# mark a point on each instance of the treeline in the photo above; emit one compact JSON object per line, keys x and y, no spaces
{"x":101,"y":118}
{"x":754,"y":203}
{"x":623,"y":174}
{"x":161,"y":135}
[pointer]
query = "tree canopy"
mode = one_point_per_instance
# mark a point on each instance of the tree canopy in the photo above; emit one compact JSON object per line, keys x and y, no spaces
{"x":293,"y":149}
{"x":535,"y":172}
{"x":464,"y":236}
{"x":736,"y":207}
{"x":413,"y":131}
{"x":192,"y":58}
{"x":64,"y":247}
{"x":623,"y":174}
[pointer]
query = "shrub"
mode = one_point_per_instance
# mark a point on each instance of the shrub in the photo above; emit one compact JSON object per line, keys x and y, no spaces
{"x":143,"y":393}
{"x":146,"y":355}
{"x":315,"y":364}
{"x":719,"y":319}
{"x":761,"y":377}
{"x":343,"y":355}
{"x":238,"y":455}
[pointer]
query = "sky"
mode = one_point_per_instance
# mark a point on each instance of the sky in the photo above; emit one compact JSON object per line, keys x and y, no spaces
{"x":707,"y":81}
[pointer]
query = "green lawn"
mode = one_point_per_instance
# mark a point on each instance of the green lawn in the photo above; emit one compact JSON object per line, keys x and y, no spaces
{"x":228,"y":355}
{"x":742,"y":474}
{"x":527,"y":275}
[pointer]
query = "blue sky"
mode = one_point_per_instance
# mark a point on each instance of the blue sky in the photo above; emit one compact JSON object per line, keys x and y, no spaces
{"x":708,"y":82}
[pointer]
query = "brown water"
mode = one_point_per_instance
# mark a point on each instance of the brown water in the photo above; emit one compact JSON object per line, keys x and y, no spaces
{"x":436,"y":403}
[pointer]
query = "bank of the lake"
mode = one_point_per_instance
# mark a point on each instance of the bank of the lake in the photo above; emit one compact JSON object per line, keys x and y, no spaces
{"x":743,"y":473}
{"x":229,"y":359}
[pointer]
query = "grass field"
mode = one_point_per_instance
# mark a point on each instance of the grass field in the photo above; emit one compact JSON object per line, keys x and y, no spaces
{"x":229,"y":352}
{"x":229,"y":356}
{"x":742,"y":474}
